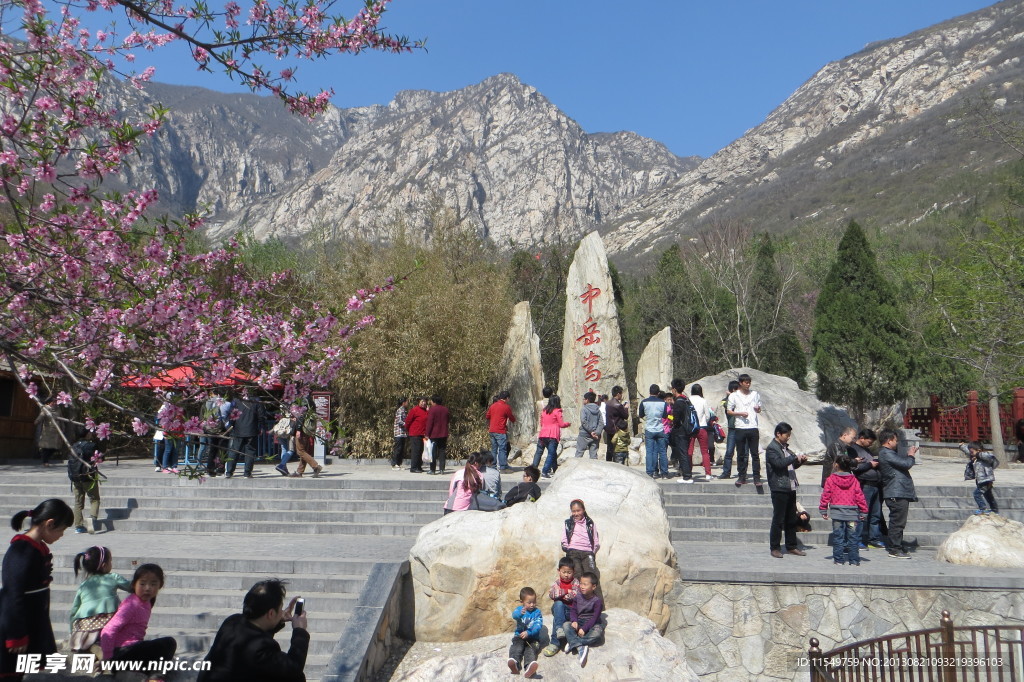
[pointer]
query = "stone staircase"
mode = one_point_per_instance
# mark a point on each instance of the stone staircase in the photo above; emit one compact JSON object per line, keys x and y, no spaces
{"x":718,"y":512}
{"x":217,"y":538}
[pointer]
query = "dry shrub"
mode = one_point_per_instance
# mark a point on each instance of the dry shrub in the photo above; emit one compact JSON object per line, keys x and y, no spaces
{"x":440,"y":332}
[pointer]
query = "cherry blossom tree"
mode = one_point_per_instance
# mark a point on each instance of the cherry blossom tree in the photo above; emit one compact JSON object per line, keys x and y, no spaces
{"x":93,"y":289}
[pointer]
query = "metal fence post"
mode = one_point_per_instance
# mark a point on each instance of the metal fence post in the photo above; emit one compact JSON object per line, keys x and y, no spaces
{"x":814,"y":660}
{"x":948,"y":672}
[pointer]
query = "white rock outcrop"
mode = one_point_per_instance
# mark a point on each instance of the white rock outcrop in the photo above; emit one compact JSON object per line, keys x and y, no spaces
{"x":815,"y":423}
{"x":591,"y":345}
{"x":468,"y":567}
{"x":655,"y":365}
{"x":985,"y":540}
{"x":522,"y":375}
{"x":633,"y":649}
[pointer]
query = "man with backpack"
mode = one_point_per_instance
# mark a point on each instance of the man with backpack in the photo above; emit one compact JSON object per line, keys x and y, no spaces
{"x":685,"y":426}
{"x":83,"y":471}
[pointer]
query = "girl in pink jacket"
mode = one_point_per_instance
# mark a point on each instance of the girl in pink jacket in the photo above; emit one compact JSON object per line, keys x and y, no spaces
{"x":551,"y":425}
{"x":123,"y":638}
{"x":843,"y":501}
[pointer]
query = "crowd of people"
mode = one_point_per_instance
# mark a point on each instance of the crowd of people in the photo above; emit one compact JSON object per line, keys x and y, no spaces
{"x":112,"y":629}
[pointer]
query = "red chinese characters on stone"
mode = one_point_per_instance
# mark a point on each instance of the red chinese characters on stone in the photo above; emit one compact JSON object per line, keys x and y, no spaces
{"x":590,"y":369}
{"x":588,"y":297}
{"x":590,"y":333}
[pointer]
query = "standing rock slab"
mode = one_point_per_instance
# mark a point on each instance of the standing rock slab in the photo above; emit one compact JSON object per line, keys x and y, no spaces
{"x":468,"y":567}
{"x":522,"y":376}
{"x":633,"y":649}
{"x":985,"y":540}
{"x":655,"y":365}
{"x":591,"y":345}
{"x":815,"y":424}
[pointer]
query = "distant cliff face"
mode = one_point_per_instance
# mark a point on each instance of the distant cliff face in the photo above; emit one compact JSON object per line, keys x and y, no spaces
{"x":498,"y":153}
{"x":857,"y":116}
{"x":882,"y":121}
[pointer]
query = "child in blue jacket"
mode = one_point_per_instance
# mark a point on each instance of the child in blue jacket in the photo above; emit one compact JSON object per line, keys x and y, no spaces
{"x":526,"y":640}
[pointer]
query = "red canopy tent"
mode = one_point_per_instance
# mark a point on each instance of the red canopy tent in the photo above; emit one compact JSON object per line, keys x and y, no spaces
{"x":184,"y":376}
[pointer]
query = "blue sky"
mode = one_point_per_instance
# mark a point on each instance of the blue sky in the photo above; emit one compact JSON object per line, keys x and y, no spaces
{"x":693,"y":75}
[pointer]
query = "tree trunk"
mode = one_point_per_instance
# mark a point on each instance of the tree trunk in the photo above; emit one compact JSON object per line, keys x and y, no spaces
{"x":998,"y":447}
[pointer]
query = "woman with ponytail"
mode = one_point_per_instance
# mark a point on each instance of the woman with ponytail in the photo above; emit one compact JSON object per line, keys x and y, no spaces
{"x":26,"y":575}
{"x":96,"y":601}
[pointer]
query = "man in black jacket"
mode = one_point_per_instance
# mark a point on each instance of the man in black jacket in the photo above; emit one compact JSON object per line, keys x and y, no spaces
{"x":781,"y":468}
{"x":870,"y":479}
{"x":245,"y":648}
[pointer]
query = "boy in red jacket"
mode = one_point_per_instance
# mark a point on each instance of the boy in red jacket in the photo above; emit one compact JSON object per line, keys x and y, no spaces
{"x":843,"y":500}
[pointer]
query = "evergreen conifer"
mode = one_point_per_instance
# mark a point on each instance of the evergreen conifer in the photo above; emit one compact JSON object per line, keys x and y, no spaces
{"x":861,"y":352}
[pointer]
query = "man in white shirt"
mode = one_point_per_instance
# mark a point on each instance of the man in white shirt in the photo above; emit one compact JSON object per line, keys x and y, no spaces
{"x":745,"y":405}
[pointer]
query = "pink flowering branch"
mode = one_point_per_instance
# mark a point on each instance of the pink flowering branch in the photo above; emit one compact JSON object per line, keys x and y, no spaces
{"x":92,"y":288}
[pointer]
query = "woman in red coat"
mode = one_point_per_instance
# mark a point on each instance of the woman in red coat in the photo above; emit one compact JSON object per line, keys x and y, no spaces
{"x":416,"y":427}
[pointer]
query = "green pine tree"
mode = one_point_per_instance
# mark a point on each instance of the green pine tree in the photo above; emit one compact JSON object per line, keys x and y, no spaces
{"x":861,"y":352}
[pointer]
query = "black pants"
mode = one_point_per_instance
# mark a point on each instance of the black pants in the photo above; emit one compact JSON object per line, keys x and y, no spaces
{"x":609,"y":455}
{"x":158,"y":649}
{"x":680,"y":443}
{"x":439,"y":454}
{"x":523,"y":651}
{"x":416,"y":458}
{"x":898,"y":510}
{"x":243,"y":446}
{"x":783,"y":519}
{"x":746,"y":448}
{"x":398,"y":450}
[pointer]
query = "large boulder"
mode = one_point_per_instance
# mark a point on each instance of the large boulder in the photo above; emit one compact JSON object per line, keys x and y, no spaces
{"x":468,"y":567}
{"x":985,"y":540}
{"x":655,"y":364}
{"x":591,"y":345}
{"x":815,"y":423}
{"x":522,"y":375}
{"x":633,"y":649}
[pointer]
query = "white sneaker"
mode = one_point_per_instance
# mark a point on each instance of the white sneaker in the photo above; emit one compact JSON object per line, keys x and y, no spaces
{"x":158,"y":470}
{"x":685,"y":480}
{"x":513,"y":666}
{"x":584,"y":650}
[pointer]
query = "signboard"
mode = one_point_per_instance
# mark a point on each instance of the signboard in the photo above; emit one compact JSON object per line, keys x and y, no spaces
{"x":323,"y":404}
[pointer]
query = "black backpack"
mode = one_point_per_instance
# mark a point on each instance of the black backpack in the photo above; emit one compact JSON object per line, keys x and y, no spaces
{"x":79,"y":470}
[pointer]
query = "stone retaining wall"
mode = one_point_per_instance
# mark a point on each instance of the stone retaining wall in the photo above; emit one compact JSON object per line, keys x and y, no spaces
{"x":735,"y":632}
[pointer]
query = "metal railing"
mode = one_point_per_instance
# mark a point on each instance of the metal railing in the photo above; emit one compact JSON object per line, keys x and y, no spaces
{"x":947,"y":653}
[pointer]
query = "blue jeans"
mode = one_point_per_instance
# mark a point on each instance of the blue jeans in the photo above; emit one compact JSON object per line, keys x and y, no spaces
{"x":165,"y":454}
{"x":657,"y":453}
{"x":551,"y":462}
{"x":730,"y":447}
{"x":983,"y":494}
{"x":499,"y":449}
{"x":286,"y":455}
{"x":845,"y":541}
{"x":559,"y":614}
{"x":575,"y":640}
{"x":871,"y":530}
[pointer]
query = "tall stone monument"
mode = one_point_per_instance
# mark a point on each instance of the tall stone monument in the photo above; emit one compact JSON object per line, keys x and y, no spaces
{"x":655,"y":366}
{"x":522,"y":376}
{"x":591,"y":346}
